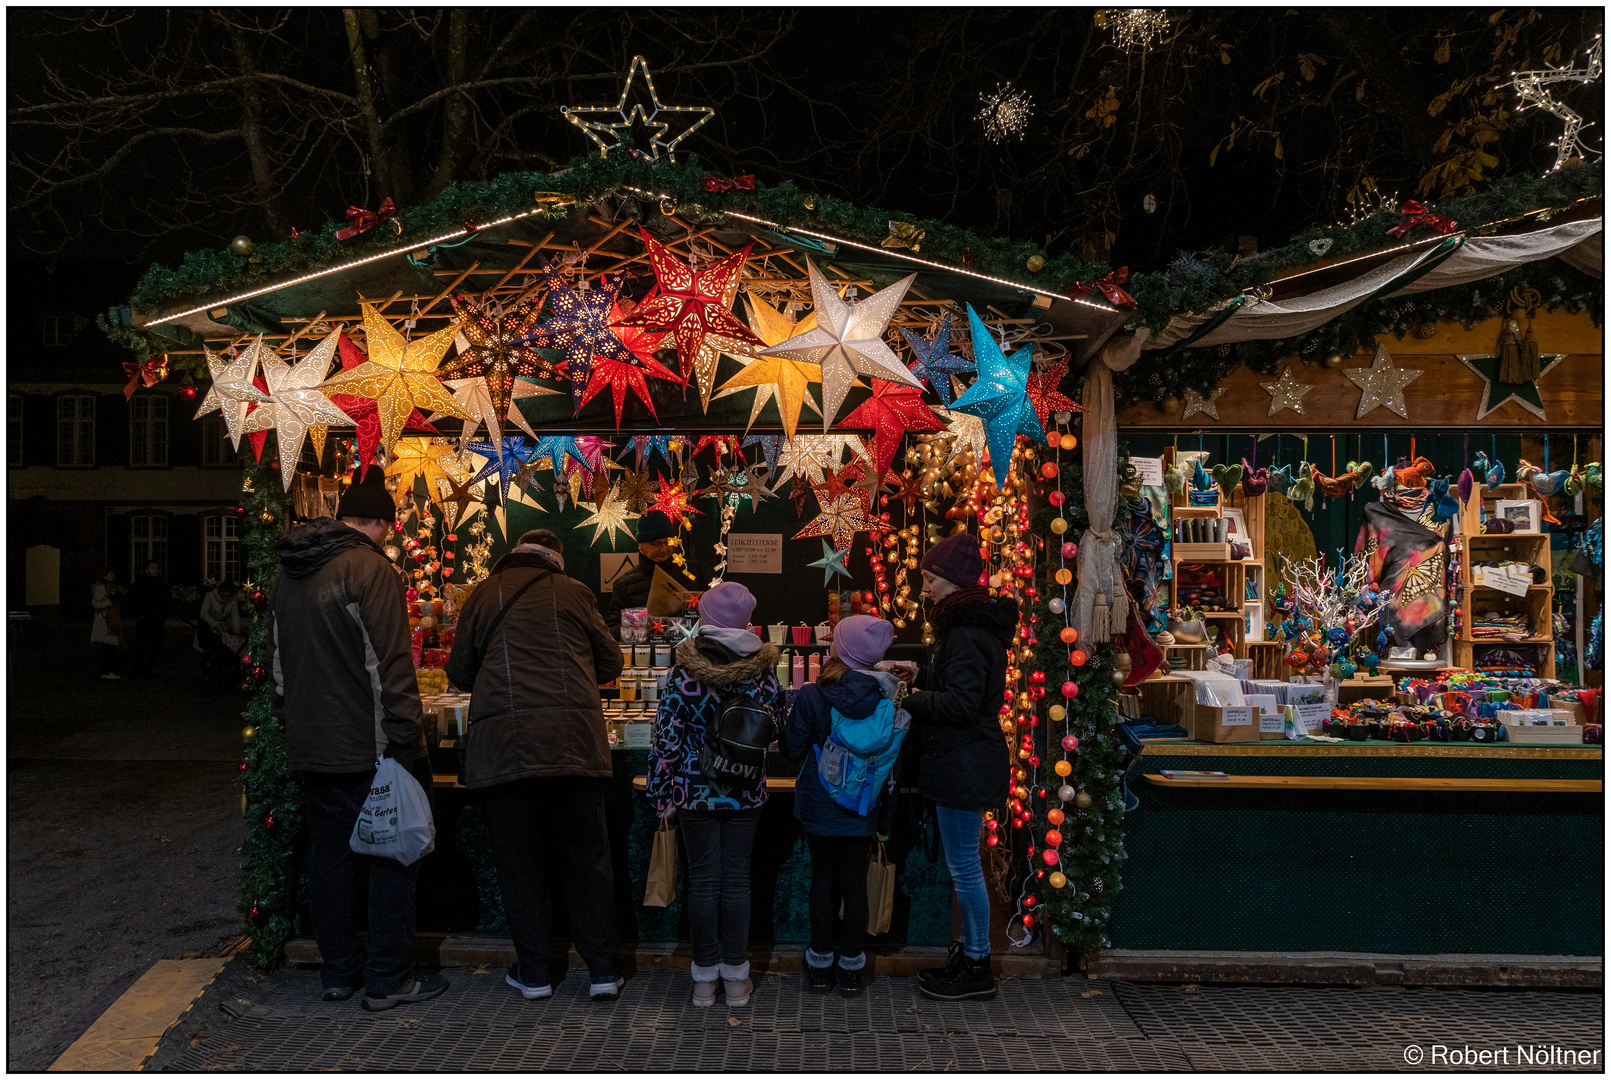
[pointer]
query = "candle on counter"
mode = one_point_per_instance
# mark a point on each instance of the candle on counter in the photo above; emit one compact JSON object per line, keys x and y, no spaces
{"x":782,"y":670}
{"x":813,"y":667}
{"x":799,"y":671}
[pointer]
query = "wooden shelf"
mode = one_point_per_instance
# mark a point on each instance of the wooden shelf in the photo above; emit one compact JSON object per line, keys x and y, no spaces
{"x":1538,"y":603}
{"x":1383,"y":783}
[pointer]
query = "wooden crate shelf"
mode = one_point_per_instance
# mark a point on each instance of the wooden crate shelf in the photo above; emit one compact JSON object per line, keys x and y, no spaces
{"x":1537,"y":604}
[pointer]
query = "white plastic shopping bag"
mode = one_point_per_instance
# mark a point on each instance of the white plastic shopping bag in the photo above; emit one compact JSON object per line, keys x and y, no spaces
{"x":395,"y":822}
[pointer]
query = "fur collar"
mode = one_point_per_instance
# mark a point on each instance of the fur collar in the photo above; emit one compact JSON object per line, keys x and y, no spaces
{"x":998,"y":614}
{"x":716,"y":675}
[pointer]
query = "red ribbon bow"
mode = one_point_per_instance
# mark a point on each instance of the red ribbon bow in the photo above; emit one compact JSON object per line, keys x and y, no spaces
{"x":1111,"y":286}
{"x":717,"y":186}
{"x":1416,"y":214}
{"x":150,"y":372}
{"x":362,"y":220}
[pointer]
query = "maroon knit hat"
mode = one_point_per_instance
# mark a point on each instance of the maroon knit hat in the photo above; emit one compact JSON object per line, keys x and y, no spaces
{"x":956,"y":559}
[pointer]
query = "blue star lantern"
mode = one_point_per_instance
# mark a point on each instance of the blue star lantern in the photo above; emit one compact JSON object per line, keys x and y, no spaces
{"x":646,"y":446}
{"x":999,"y":397}
{"x":936,"y":363}
{"x":503,"y":458}
{"x":832,"y":562}
{"x":581,"y":326}
{"x":556,"y":448}
{"x":771,"y":446}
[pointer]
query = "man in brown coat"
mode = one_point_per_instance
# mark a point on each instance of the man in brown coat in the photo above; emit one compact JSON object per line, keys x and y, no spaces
{"x":533,"y":648}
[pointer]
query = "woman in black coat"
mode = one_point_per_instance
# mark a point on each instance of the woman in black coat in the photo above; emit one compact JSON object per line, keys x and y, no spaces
{"x":964,"y":766}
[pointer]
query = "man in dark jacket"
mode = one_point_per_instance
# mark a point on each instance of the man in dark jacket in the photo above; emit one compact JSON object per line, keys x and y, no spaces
{"x":965,"y":763}
{"x":344,"y":680}
{"x":148,"y":603}
{"x":533,"y":648}
{"x":631,"y":589}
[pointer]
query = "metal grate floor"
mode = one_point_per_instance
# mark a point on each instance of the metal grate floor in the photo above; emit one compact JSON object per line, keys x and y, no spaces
{"x":278,"y":1023}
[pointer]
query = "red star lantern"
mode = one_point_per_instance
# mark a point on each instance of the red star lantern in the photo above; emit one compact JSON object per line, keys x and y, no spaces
{"x":1041,"y":389}
{"x":619,"y":377}
{"x":364,"y":411}
{"x":726,"y":446}
{"x":892,"y":411}
{"x":838,"y":483}
{"x":672,"y":501}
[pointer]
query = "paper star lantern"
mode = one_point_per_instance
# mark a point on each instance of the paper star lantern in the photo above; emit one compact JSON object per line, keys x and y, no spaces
{"x":399,"y":375}
{"x":621,"y":377}
{"x":646,"y":446}
{"x":611,"y":517}
{"x":1496,"y":393}
{"x":1382,"y":384}
{"x":497,"y":350}
{"x":999,"y":397}
{"x":770,"y":446}
{"x":503,"y":458}
{"x":556,"y":448}
{"x":1286,"y":392}
{"x":580,"y":326}
{"x":1197,"y":403}
{"x":810,"y":455}
{"x":891,"y":412}
{"x":832,"y":562}
{"x":692,"y":305}
{"x":841,"y":518}
{"x":413,"y":458}
{"x":774,"y":376}
{"x":635,"y":489}
{"x":365,"y":418}
{"x":460,"y":501}
{"x":848,"y":340}
{"x":907,"y":489}
{"x":1041,"y":386}
{"x":837,"y":483}
{"x":967,"y":433}
{"x":232,"y":389}
{"x":294,"y":406}
{"x":475,"y":399}
{"x":671,"y":500}
{"x":934,"y":362}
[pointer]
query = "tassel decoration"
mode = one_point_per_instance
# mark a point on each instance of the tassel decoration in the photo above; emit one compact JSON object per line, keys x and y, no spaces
{"x":1510,"y":367}
{"x":1530,"y":365}
{"x":1100,"y":630}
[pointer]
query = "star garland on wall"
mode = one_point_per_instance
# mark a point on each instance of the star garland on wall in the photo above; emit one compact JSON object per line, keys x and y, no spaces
{"x":1286,"y":392}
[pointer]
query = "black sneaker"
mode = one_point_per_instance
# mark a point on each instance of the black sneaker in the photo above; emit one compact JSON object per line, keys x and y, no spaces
{"x":851,"y":983}
{"x":607,"y":988}
{"x":973,"y":980}
{"x":818,"y":980}
{"x":531,"y":991}
{"x":339,"y":993}
{"x":953,"y":965}
{"x":415,"y":990}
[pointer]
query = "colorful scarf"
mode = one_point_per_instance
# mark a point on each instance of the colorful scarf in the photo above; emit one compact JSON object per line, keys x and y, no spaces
{"x":1406,"y":560}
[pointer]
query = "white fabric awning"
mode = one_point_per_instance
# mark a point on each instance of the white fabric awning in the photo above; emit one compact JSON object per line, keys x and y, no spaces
{"x":1488,"y":256}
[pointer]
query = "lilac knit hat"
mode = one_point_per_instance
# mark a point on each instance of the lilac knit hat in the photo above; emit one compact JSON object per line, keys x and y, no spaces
{"x":861,"y":640}
{"x":956,"y":559}
{"x":728,"y":605}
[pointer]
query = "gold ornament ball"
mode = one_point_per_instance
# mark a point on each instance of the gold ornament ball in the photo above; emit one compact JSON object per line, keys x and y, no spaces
{"x":1062,"y":768}
{"x":1035,"y":263}
{"x":1056,"y":879}
{"x":248,"y":732}
{"x":1170,"y":405}
{"x":1059,"y":526}
{"x":241,"y":245}
{"x":1333,"y":361}
{"x":810,"y":202}
{"x":1057,"y":712}
{"x":1083,"y":800}
{"x":1118,"y":678}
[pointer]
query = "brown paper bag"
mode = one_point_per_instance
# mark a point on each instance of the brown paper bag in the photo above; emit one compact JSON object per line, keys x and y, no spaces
{"x":666,"y":596}
{"x":661,"y":889}
{"x":880,"y":892}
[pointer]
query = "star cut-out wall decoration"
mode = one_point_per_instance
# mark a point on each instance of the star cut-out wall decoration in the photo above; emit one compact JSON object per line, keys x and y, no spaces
{"x":1496,"y":393}
{"x":696,"y":115}
{"x":999,"y":396}
{"x":1382,"y":384}
{"x":399,"y":375}
{"x":1286,"y":392}
{"x":1197,"y":403}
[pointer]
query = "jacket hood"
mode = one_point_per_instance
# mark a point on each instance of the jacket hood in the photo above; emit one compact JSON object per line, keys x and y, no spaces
{"x":710,"y":673}
{"x":307,"y":547}
{"x":516,"y":560}
{"x":858,"y":693}
{"x":998,"y":614}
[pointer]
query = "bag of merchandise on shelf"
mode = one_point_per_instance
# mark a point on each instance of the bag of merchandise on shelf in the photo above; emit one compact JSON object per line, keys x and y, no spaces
{"x":661,"y":888}
{"x":395,"y":822}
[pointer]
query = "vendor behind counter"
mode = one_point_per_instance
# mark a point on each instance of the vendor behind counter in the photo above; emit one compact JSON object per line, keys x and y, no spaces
{"x":631,"y":589}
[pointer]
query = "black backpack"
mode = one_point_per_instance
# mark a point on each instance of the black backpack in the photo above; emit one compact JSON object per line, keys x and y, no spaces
{"x":736,"y":741}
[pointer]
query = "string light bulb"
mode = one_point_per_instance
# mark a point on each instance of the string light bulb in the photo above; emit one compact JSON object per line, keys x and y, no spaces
{"x":1530,"y":88}
{"x":1137,"y":27}
{"x":657,"y":142}
{"x":1006,"y":113}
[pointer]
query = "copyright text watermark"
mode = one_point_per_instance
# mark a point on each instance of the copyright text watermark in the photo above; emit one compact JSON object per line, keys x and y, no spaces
{"x":1517,"y":1055}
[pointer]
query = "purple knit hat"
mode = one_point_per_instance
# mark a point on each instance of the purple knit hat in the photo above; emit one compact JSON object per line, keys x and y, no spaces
{"x":728,"y":605}
{"x":861,"y":640}
{"x":956,"y":559}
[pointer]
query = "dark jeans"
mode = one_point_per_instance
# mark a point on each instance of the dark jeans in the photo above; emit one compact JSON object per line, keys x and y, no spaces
{"x":719,"y":843}
{"x":838,"y":872}
{"x":333,"y":801}
{"x":107,"y":655}
{"x":530,"y":819}
{"x":147,"y":646}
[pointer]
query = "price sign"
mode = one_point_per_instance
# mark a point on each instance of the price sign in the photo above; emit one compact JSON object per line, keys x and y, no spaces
{"x":638,"y":736}
{"x":1149,"y":470}
{"x":1310,"y":715}
{"x":1514,"y":580}
{"x":1272,"y":723}
{"x":1237,"y":715}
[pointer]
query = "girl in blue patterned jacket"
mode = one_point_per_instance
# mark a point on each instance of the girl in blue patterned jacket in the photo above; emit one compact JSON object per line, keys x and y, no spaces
{"x":717,"y":821}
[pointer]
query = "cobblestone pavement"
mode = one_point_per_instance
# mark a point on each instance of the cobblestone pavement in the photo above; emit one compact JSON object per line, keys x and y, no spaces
{"x":250,"y":1022}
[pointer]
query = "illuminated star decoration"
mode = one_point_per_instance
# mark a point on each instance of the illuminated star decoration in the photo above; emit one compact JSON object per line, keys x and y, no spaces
{"x":810,"y":455}
{"x":412,"y":458}
{"x":836,"y":483}
{"x":1529,"y":87}
{"x":503,"y":458}
{"x":474,"y":397}
{"x":232,"y":389}
{"x":1496,"y":393}
{"x":497,"y":352}
{"x":672,"y":501}
{"x":581,"y":326}
{"x":692,"y":306}
{"x":841,"y":517}
{"x":1286,"y":392}
{"x":620,"y":376}
{"x":774,"y":376}
{"x":610,"y":518}
{"x":1005,"y":114}
{"x":832,"y":562}
{"x":365,"y":417}
{"x":770,"y":446}
{"x":848,"y":340}
{"x":968,"y":433}
{"x":999,"y":396}
{"x":658,"y":128}
{"x":460,"y":501}
{"x":1381,"y":384}
{"x":399,"y":375}
{"x":635,"y":489}
{"x":1043,"y":393}
{"x":646,"y":446}
{"x":891,"y":412}
{"x":934,"y":361}
{"x":294,"y":406}
{"x":1197,"y":403}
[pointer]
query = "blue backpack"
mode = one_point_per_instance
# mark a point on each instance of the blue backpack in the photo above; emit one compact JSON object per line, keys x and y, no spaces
{"x":856,"y":760}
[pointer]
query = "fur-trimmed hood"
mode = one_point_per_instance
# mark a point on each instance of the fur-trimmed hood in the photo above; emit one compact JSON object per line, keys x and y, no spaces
{"x":713,"y":674}
{"x":998,"y":614}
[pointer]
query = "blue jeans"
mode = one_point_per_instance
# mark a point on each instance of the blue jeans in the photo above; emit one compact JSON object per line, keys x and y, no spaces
{"x":719,"y":843}
{"x":959,"y":832}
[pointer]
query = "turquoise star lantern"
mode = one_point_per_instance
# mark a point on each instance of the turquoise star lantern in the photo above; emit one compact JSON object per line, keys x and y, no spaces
{"x":832,"y":562}
{"x":999,"y":397}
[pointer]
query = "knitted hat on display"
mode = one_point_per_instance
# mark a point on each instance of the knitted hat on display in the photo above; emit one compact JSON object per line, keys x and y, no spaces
{"x":956,"y":559}
{"x":727,"y":605}
{"x":655,"y":525}
{"x":861,"y":640}
{"x":368,"y":498}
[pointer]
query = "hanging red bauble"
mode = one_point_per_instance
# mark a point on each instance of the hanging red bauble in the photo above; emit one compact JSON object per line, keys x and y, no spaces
{"x":991,"y":841}
{"x":1055,"y":817}
{"x":1077,"y":658}
{"x":1069,"y":635}
{"x":1049,"y":856}
{"x":1056,"y":498}
{"x":1071,"y":689}
{"x":1029,"y":920}
{"x":1049,"y":469}
{"x":1053,"y":838}
{"x":1071,"y":743}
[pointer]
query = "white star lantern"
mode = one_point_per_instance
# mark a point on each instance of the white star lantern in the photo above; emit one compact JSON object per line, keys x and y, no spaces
{"x":294,"y":405}
{"x":848,"y":340}
{"x":1197,"y":403}
{"x":232,"y":389}
{"x":1382,"y":384}
{"x":1286,"y":392}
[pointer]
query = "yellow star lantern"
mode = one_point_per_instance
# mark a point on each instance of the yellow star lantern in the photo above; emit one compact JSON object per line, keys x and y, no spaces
{"x":769,"y":375}
{"x":400,"y":376}
{"x":412,"y":458}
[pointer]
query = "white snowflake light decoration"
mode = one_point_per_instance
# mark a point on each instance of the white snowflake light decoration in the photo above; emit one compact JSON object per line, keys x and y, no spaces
{"x":1006,"y":113}
{"x":1530,"y":88}
{"x":1137,"y":27}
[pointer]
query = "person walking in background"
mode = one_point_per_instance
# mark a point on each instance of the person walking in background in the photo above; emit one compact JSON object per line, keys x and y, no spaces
{"x":723,"y":669}
{"x":344,"y":687}
{"x":631,"y":589}
{"x":850,"y":688}
{"x":149,"y":597}
{"x":964,"y":765}
{"x":106,"y":631}
{"x":225,"y":619}
{"x":533,"y":649}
